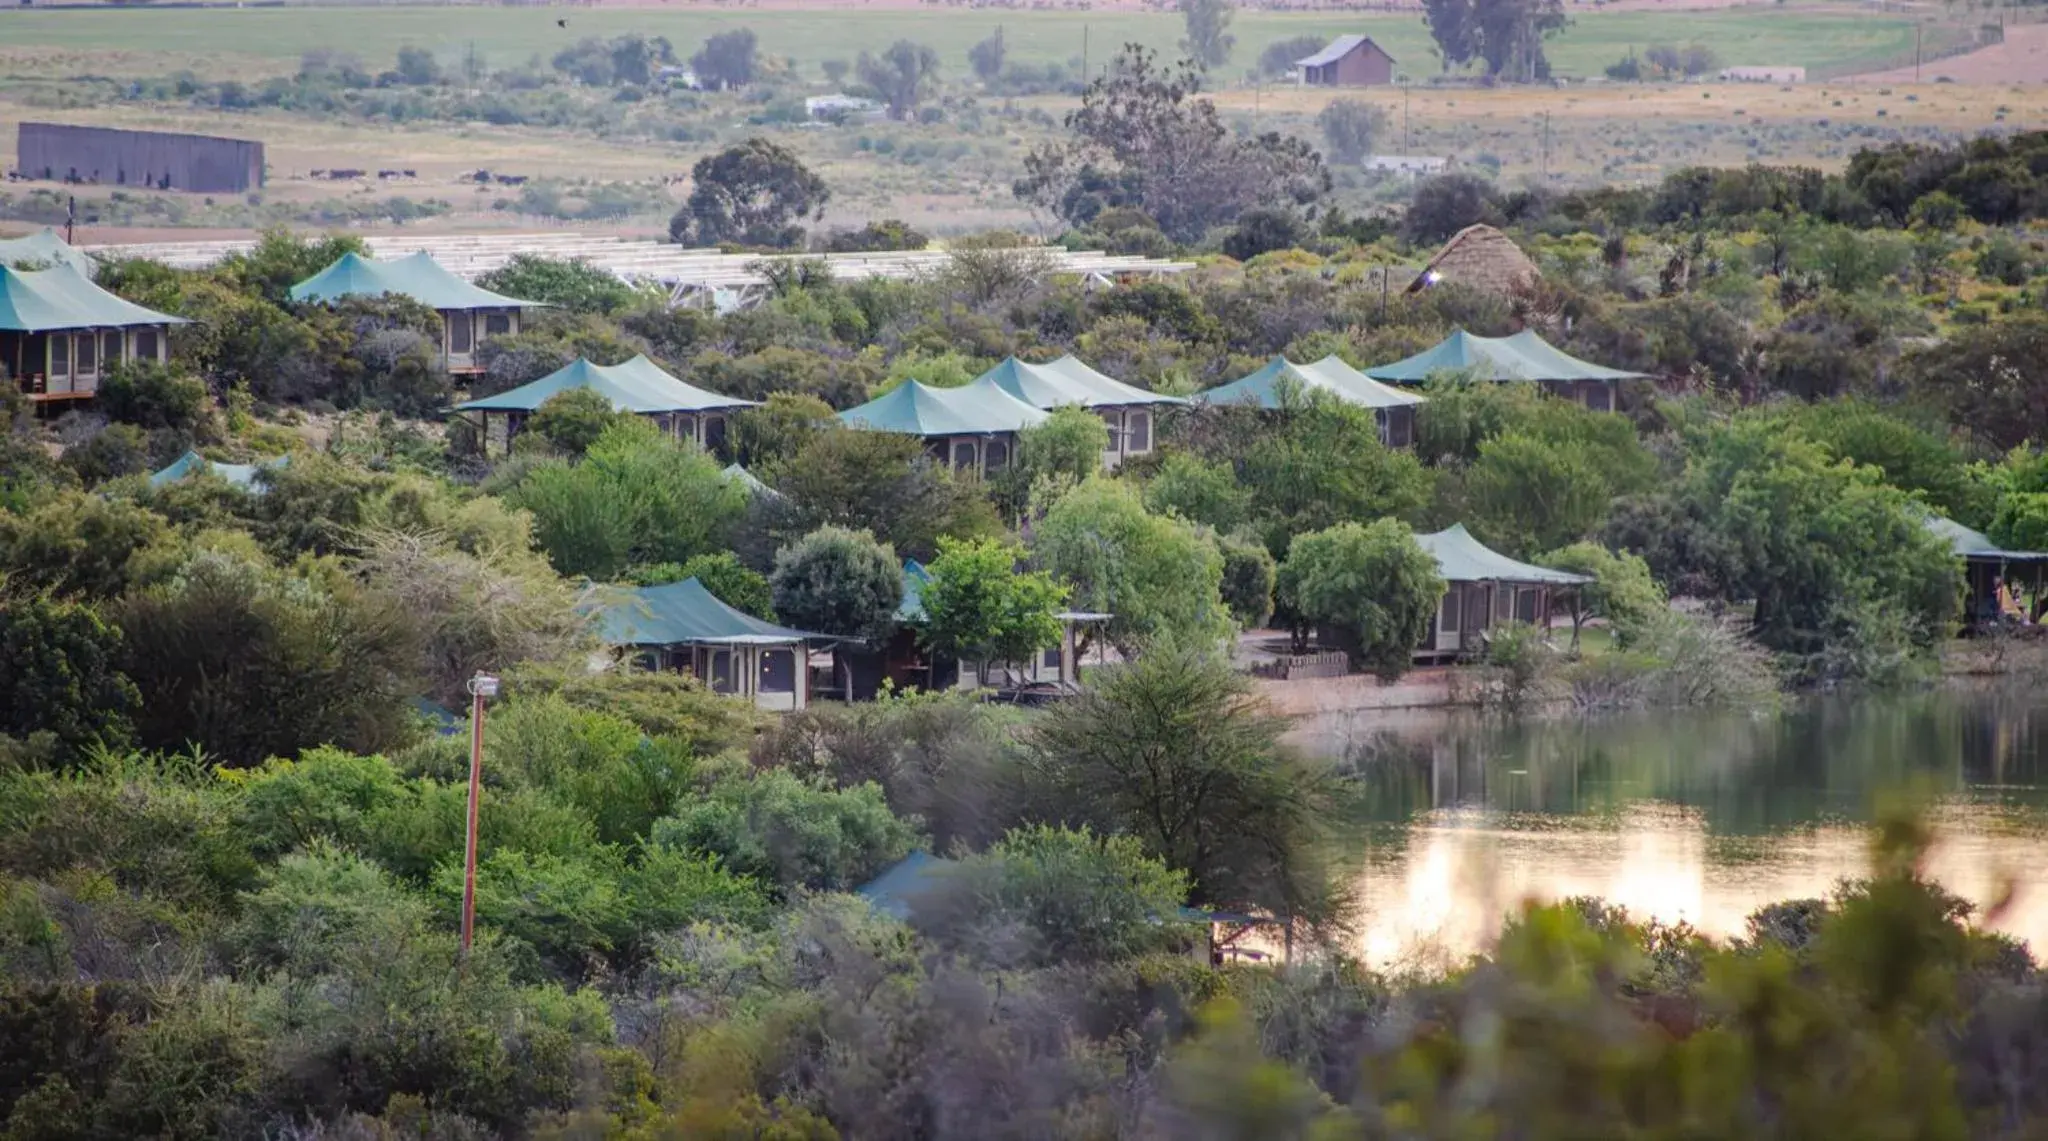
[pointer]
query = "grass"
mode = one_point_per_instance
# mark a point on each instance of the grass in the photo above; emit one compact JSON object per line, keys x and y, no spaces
{"x":261,"y":41}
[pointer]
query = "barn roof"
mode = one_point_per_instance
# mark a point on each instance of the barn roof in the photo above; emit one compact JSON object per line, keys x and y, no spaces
{"x":1338,"y":49}
{"x":417,"y":276}
{"x":1068,"y":380}
{"x":1267,"y":388}
{"x":1523,"y":356}
{"x":1480,"y":257}
{"x":1462,"y":558}
{"x":638,"y":385}
{"x":913,"y":408}
{"x":36,"y":301}
{"x":44,"y":246}
{"x":684,"y":612}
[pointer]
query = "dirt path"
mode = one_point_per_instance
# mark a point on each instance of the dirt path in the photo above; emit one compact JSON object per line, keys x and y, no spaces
{"x":2022,"y":58}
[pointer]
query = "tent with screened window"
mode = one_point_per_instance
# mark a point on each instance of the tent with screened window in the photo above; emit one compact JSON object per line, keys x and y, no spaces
{"x":638,"y":386}
{"x":1484,"y":589}
{"x":973,"y":427}
{"x":1281,"y":381}
{"x":681,"y":625}
{"x":60,"y":333}
{"x":469,"y":313}
{"x":1522,"y":357}
{"x":1128,"y":410}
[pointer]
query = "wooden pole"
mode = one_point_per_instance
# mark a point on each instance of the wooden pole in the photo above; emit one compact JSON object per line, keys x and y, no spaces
{"x":476,"y":785}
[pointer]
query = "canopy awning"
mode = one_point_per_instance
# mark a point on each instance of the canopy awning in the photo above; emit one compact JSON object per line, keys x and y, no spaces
{"x":681,"y":613}
{"x":45,"y":300}
{"x":1462,"y":558}
{"x":417,"y":276}
{"x":1523,"y":356}
{"x":46,"y":247}
{"x":917,"y":409}
{"x":638,"y":385}
{"x":1969,"y":544}
{"x":1068,"y":380}
{"x":1271,"y":386}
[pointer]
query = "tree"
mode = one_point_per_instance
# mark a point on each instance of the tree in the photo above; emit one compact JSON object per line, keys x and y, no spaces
{"x":986,"y":58}
{"x":417,"y":67}
{"x":86,"y":546}
{"x":1351,"y":128}
{"x":1208,"y":40}
{"x":720,"y":572}
{"x":1280,"y":56}
{"x":1324,"y":464}
{"x":1993,"y":381}
{"x":1159,"y":577}
{"x":775,"y":826}
{"x":881,"y":483}
{"x":979,"y":607}
{"x":1507,"y":35}
{"x":1069,"y":445}
{"x":1447,"y":203}
{"x":835,"y":70}
{"x":901,"y":75}
{"x":1622,"y":591}
{"x":571,"y":284}
{"x":1249,"y":574}
{"x":726,"y":60}
{"x":1143,"y":138}
{"x":1175,"y":750}
{"x":573,"y":420}
{"x":1528,"y":495}
{"x":839,"y":582}
{"x":775,"y":431}
{"x":636,"y":496}
{"x":59,"y":673}
{"x":1199,"y":491}
{"x":1374,"y":587}
{"x":751,"y":194}
{"x":247,"y":662}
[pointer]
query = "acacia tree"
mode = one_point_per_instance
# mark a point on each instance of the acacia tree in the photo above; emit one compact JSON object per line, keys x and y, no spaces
{"x":1208,"y":41}
{"x":1372,"y":586}
{"x":1158,"y":576}
{"x":1350,"y":127}
{"x":1622,"y":590}
{"x":987,"y":58}
{"x":1143,"y":138}
{"x":726,"y":60}
{"x":839,"y":582}
{"x":901,"y":75}
{"x":753,"y":193}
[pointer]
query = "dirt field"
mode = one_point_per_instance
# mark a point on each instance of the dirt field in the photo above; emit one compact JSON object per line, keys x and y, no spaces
{"x":2022,"y":58}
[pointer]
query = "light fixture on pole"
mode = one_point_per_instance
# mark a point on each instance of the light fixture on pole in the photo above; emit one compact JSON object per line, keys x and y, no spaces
{"x":481,"y":686}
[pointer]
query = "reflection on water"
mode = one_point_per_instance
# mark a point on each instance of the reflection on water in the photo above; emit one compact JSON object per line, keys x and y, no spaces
{"x":1696,"y":818}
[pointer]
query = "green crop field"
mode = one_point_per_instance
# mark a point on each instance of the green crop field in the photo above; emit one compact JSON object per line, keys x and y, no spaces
{"x":250,"y":43}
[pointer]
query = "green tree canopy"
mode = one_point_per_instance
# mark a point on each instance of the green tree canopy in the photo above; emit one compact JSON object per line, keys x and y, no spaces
{"x":839,"y":582}
{"x":1159,"y":577}
{"x":1622,"y":591}
{"x":1372,"y":585}
{"x":979,"y":607}
{"x":60,"y":673}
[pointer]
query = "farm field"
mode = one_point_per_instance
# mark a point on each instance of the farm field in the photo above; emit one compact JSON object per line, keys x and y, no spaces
{"x":254,"y":43}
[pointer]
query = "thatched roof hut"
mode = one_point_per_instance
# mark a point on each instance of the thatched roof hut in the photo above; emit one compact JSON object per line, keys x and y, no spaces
{"x":1479,"y":257}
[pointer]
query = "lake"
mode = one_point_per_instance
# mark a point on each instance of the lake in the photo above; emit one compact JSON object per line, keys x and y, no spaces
{"x":1694,"y":817}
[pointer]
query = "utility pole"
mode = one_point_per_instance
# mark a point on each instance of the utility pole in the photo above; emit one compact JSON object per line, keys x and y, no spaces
{"x":1918,"y":29}
{"x":481,"y":686}
{"x":1406,"y":143}
{"x":70,"y":217}
{"x":1546,"y":147}
{"x":1084,"y":55}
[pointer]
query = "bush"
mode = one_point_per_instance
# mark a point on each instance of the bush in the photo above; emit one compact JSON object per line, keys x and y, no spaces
{"x":1374,"y":588}
{"x":787,"y":832}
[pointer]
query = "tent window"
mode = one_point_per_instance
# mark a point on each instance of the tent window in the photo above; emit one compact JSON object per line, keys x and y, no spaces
{"x":714,"y":433}
{"x":459,"y":330}
{"x":963,"y":455}
{"x":497,"y":325}
{"x":1452,"y":611}
{"x":88,"y":354}
{"x":721,"y":671}
{"x":998,"y":455}
{"x":683,"y":427}
{"x":145,"y":345}
{"x":778,"y":672}
{"x":1138,"y":432}
{"x":1600,"y":397}
{"x":1115,"y":421}
{"x":1525,"y":605}
{"x":110,"y":348}
{"x":60,"y":355}
{"x":1051,"y":658}
{"x":1503,"y":602}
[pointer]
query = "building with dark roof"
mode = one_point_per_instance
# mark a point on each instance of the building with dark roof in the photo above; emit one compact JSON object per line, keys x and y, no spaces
{"x":1348,"y":61}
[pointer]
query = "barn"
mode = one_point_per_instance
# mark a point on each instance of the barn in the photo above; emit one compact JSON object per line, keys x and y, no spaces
{"x":159,"y":160}
{"x":1349,"y":61}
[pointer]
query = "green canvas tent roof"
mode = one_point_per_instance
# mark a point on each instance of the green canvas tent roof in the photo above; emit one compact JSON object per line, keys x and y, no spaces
{"x":901,"y":884}
{"x":748,"y":480}
{"x":681,"y":612}
{"x":192,"y":463}
{"x":979,"y":408}
{"x":1969,"y":544}
{"x":44,"y":246}
{"x":1067,"y":380}
{"x":1265,"y":388}
{"x":43,"y":300}
{"x":1462,"y":558}
{"x":915,"y":579}
{"x":417,"y":276}
{"x":1524,"y":356}
{"x":638,"y":385}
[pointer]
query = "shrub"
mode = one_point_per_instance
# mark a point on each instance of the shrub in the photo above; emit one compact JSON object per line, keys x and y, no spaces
{"x":785,"y":831}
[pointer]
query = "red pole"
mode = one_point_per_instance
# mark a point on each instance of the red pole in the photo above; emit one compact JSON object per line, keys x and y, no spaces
{"x":476,"y":780}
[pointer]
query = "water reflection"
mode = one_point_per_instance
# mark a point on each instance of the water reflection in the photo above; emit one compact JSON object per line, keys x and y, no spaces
{"x":1700,"y":818}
